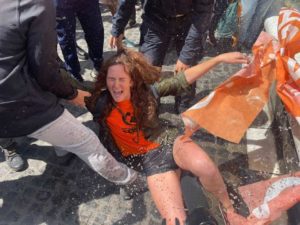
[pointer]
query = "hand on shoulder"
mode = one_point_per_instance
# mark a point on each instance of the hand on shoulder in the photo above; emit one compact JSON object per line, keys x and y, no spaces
{"x":79,"y":99}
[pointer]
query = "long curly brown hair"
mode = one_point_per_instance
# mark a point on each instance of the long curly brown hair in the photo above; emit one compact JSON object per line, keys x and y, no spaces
{"x":142,"y":74}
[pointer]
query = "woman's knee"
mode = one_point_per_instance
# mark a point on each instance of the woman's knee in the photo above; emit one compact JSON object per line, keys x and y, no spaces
{"x":203,"y":168}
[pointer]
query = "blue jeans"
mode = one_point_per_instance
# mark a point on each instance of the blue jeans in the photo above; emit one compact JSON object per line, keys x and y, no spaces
{"x":89,"y":16}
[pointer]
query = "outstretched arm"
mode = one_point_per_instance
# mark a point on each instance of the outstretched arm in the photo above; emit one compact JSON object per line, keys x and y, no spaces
{"x":195,"y":72}
{"x":180,"y":83}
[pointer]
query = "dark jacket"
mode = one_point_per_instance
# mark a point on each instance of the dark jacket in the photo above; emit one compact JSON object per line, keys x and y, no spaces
{"x":157,"y":14}
{"x":30,"y":82}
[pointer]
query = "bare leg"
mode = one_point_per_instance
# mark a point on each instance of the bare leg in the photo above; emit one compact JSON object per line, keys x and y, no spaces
{"x":166,"y":193}
{"x":191,"y":157}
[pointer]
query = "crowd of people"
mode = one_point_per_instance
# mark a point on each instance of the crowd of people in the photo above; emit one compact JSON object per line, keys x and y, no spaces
{"x":132,"y":143}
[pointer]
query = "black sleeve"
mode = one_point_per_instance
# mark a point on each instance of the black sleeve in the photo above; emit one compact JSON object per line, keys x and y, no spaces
{"x":42,"y":52}
{"x":201,"y":17}
{"x":121,"y":18}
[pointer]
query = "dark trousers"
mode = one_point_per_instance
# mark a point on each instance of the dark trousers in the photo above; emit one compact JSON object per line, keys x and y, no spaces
{"x":89,"y":16}
{"x":155,"y":43}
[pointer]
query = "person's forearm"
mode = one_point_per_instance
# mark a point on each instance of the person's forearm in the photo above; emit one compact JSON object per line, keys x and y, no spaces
{"x":121,"y":17}
{"x":195,"y":72}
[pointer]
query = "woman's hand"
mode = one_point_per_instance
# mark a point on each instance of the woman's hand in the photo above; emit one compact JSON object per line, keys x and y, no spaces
{"x":233,"y":58}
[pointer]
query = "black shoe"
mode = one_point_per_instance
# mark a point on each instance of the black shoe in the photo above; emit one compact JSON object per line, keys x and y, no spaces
{"x":14,"y":160}
{"x":135,"y":188}
{"x":81,"y":53}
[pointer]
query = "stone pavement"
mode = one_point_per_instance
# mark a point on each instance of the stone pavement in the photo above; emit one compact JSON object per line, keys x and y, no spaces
{"x":47,"y":193}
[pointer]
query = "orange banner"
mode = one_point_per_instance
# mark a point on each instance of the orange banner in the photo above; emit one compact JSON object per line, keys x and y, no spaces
{"x":288,"y":75}
{"x":266,"y":200}
{"x":231,"y":108}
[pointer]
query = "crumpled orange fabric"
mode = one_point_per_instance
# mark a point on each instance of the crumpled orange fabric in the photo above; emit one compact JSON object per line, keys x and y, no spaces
{"x":231,"y":108}
{"x":288,"y":70}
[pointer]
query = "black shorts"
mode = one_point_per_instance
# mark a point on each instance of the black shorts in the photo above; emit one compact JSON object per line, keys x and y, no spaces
{"x":155,"y":161}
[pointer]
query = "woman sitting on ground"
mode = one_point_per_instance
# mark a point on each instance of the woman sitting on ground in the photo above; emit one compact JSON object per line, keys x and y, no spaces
{"x":124,"y":103}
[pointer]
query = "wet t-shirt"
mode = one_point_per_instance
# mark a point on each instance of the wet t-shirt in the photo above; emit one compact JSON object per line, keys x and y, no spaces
{"x":122,"y":124}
